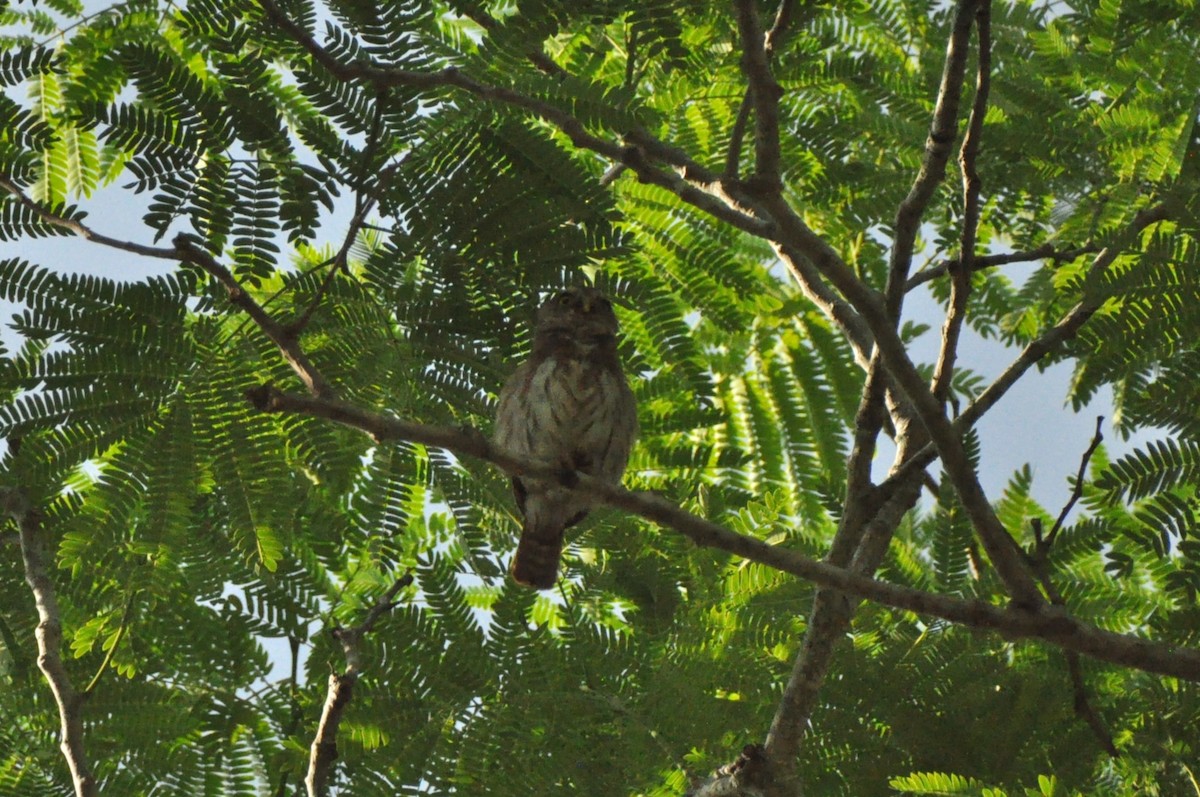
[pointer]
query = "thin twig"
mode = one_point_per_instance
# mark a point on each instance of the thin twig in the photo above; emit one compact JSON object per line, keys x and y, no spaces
{"x":1045,"y":251}
{"x":116,"y":642}
{"x":1015,"y":621}
{"x":1080,"y":480}
{"x":1040,"y":563}
{"x":737,"y":137}
{"x":363,"y":204}
{"x":323,"y":751}
{"x":16,"y":505}
{"x":960,"y":273}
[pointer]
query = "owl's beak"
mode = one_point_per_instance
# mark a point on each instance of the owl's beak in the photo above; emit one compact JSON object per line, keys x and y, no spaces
{"x":587,"y":304}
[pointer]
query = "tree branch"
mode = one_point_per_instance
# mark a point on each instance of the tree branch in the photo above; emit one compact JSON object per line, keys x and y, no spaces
{"x":1001,"y":548}
{"x":942,"y":131}
{"x":831,"y":614}
{"x":1077,"y":488}
{"x":1039,"y":561}
{"x":567,"y":124}
{"x":1034,"y":351}
{"x":15,"y":504}
{"x":363,"y":204}
{"x":737,"y":135}
{"x":991,"y":261}
{"x":960,"y":273}
{"x":1016,"y":622}
{"x":1066,"y":328}
{"x":323,"y":751}
{"x":764,"y":90}
{"x":188,"y":250}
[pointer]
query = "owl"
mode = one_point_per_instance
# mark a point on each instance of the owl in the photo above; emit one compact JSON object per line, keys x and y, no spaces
{"x":568,"y":404}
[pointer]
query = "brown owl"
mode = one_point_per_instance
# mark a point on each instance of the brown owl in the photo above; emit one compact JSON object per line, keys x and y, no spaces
{"x":568,"y":404}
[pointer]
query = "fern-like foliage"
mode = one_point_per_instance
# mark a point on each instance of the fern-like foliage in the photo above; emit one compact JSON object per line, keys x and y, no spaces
{"x":203,"y":550}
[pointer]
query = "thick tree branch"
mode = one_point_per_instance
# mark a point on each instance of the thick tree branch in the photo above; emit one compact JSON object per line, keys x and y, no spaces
{"x":764,"y":90}
{"x":323,"y":751}
{"x":831,"y":614}
{"x":1001,"y":549}
{"x":960,"y":274}
{"x":942,"y":132}
{"x":1016,"y":622}
{"x":48,"y":633}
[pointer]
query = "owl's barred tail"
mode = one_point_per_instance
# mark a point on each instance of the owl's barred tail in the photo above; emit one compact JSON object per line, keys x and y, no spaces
{"x":535,"y":564}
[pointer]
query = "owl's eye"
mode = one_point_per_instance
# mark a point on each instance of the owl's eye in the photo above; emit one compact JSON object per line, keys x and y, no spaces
{"x":565,"y":297}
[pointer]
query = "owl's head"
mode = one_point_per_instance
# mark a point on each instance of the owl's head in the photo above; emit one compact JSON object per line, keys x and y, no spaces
{"x":584,"y":313}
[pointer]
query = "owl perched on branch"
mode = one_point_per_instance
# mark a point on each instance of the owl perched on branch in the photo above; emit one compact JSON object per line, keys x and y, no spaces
{"x":568,"y":404}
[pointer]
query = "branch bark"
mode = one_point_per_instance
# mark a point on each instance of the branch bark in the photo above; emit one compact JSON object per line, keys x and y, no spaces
{"x":960,"y":272}
{"x":999,"y":545}
{"x":1045,"y":251}
{"x":942,"y":132}
{"x":1050,"y":624}
{"x":765,"y":92}
{"x":323,"y":751}
{"x":48,"y":633}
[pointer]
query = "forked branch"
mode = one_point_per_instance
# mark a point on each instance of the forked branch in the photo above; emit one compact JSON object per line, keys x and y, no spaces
{"x":960,"y":271}
{"x":323,"y":751}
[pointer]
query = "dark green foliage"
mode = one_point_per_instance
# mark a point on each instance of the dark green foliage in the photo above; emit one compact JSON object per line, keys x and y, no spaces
{"x":196,"y":540}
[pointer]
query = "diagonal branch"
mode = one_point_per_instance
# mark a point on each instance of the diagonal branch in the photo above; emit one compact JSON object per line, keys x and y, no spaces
{"x":937,"y":152}
{"x":323,"y":751}
{"x":363,"y":205}
{"x":15,"y":504}
{"x":1066,"y":328}
{"x":570,"y":126}
{"x":1034,"y":351}
{"x":999,"y":545}
{"x":188,"y":250}
{"x":1017,"y":622}
{"x":1077,"y":488}
{"x":960,"y":271}
{"x":1040,"y":562}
